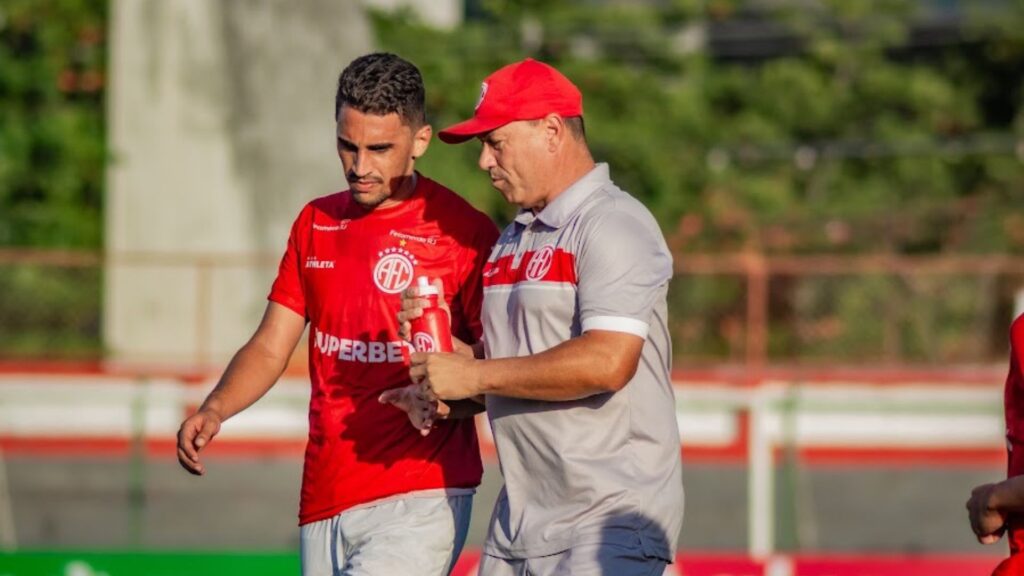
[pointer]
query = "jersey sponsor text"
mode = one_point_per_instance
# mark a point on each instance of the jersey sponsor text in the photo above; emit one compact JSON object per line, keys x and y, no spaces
{"x":360,"y":350}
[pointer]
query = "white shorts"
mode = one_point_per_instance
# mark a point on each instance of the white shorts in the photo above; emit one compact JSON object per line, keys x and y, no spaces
{"x":414,"y":536}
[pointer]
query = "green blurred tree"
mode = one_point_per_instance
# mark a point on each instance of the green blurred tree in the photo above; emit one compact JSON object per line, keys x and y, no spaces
{"x":846,"y":135}
{"x":52,"y":151}
{"x":856,"y":140}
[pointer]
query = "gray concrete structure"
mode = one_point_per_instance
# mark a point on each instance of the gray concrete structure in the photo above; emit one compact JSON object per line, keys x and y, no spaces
{"x":220,"y":129}
{"x":220,"y":120}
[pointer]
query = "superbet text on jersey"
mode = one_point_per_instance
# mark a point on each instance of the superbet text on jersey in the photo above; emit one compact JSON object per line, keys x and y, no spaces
{"x":344,"y":270}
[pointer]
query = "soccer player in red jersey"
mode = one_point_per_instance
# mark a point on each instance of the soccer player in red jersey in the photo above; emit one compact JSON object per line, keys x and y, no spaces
{"x":998,"y":508}
{"x":378,"y":496}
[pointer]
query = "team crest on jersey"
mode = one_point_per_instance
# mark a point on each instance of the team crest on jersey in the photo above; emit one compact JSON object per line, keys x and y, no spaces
{"x":394,"y":271}
{"x":540,"y":263}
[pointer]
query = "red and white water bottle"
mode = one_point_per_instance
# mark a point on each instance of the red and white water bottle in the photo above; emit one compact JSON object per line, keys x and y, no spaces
{"x":431,"y":332}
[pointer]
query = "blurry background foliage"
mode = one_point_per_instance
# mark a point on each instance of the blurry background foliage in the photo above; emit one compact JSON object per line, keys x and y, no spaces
{"x":52,"y":155}
{"x":52,"y":162}
{"x":847,"y":130}
{"x":836,"y":126}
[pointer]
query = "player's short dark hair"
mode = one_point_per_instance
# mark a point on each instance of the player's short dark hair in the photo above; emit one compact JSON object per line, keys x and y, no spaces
{"x":382,"y":83}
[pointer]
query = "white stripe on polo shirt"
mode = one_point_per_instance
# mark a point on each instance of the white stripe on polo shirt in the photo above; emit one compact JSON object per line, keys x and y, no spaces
{"x":617,"y":324}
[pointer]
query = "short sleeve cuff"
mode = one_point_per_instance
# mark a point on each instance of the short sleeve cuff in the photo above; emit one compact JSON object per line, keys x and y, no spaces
{"x":616,"y":324}
{"x":288,"y":302}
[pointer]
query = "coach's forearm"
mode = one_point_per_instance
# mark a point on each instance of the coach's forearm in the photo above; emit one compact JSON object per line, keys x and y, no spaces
{"x":593,"y":363}
{"x":460,"y":409}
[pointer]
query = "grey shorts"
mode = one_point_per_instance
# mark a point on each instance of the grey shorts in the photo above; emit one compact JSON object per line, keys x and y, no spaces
{"x":414,"y":536}
{"x":581,"y":560}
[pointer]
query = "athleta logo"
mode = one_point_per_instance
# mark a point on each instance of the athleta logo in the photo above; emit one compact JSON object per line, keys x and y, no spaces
{"x":540,"y":263}
{"x":424,"y":342}
{"x":312,"y":262}
{"x":361,"y":351}
{"x":393,"y":273}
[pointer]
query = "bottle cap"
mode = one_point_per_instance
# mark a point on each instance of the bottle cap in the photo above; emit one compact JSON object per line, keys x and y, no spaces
{"x":424,"y":288}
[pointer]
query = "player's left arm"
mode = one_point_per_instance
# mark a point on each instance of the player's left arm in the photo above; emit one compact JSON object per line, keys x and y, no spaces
{"x":623,"y":271}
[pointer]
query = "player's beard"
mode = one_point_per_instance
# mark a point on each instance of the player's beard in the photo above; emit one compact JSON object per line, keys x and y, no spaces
{"x":370,"y":201}
{"x":375,"y":196}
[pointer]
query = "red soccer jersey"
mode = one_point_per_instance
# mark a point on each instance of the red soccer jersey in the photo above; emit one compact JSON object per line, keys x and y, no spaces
{"x":344,"y":270}
{"x":1013,"y":402}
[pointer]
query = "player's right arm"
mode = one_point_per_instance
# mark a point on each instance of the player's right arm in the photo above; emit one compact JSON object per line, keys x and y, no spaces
{"x":989,"y":505}
{"x":254,"y":369}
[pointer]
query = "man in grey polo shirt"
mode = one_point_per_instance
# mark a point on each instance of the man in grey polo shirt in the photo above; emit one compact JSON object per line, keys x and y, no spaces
{"x":576,"y":347}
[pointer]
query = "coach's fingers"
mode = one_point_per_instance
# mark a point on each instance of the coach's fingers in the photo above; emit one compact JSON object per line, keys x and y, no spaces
{"x":418,"y":367}
{"x":427,"y":391}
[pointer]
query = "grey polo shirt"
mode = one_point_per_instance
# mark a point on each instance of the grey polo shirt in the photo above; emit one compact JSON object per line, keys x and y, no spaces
{"x":604,"y":468}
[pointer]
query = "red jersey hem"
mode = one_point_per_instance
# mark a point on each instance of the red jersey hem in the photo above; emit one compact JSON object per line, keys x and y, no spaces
{"x":335,"y":510}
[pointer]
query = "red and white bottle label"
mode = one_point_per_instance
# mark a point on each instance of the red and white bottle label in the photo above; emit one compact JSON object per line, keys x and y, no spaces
{"x":424,"y":342}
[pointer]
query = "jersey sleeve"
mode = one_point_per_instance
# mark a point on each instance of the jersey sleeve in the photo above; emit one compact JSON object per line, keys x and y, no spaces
{"x":622,"y":268}
{"x":287,"y":288}
{"x":471,"y":295}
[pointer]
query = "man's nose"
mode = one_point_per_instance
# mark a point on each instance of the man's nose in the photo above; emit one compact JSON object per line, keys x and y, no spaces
{"x":486,"y":160}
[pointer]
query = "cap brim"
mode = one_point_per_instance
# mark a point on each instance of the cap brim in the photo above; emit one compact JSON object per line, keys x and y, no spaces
{"x":459,"y":133}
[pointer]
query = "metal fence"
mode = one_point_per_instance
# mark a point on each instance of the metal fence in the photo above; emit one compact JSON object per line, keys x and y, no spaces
{"x":748,"y":310}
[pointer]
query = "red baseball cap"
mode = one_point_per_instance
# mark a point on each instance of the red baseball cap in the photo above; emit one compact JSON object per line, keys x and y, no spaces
{"x":526,"y":90}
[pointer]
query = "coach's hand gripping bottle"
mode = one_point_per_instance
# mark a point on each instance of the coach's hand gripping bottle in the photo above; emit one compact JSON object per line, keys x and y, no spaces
{"x":431,"y":332}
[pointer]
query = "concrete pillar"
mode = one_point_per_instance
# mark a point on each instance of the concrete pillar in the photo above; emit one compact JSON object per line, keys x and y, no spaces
{"x":220,"y":128}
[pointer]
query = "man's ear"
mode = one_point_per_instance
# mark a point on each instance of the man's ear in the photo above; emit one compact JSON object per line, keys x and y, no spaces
{"x":421,"y":140}
{"x":554,"y":130}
